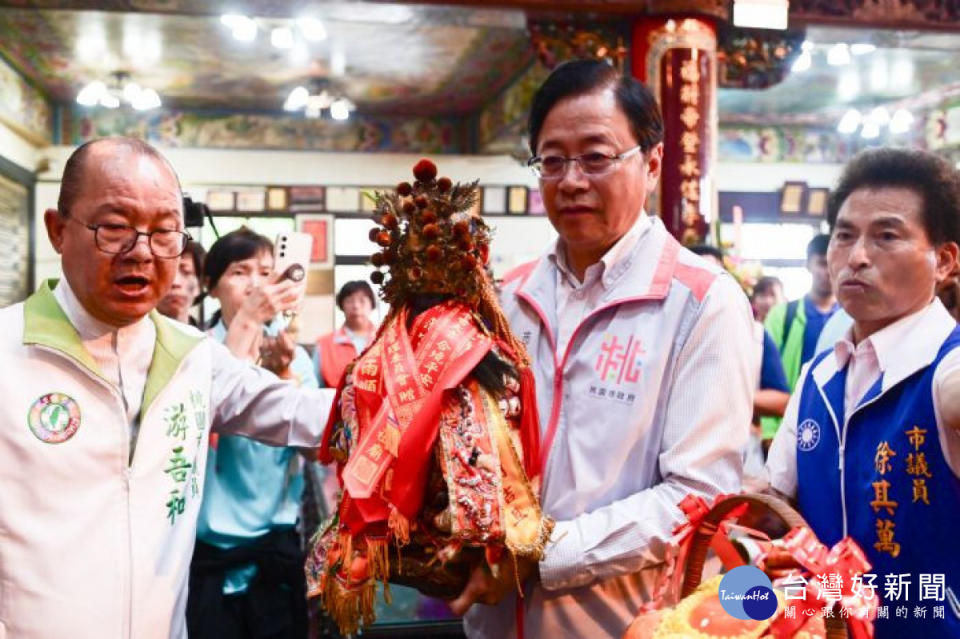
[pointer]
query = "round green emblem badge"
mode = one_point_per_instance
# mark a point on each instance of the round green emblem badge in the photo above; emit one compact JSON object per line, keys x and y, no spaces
{"x":54,"y":418}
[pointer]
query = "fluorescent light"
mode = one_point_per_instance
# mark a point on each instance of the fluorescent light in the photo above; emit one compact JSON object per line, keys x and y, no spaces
{"x":338,"y":63}
{"x":109,"y":101}
{"x":901,"y":121}
{"x":848,"y":85}
{"x":232,"y":19}
{"x":146,"y":100}
{"x":870,"y":130}
{"x":90,"y":94}
{"x":761,"y":14}
{"x":339,"y":111}
{"x":244,"y":29}
{"x":281,"y":37}
{"x":838,"y":55}
{"x":802,"y":63}
{"x":131,"y":92}
{"x":297,"y":99}
{"x":806,"y":46}
{"x":849,"y":122}
{"x":861,"y":48}
{"x":312,"y":29}
{"x":880,"y":115}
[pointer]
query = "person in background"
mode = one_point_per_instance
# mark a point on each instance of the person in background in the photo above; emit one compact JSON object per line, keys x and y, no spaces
{"x":186,"y":286}
{"x":337,"y":349}
{"x":246,"y":578}
{"x":767,"y":293}
{"x":628,"y":333}
{"x":871,"y":438}
{"x":796,"y":325}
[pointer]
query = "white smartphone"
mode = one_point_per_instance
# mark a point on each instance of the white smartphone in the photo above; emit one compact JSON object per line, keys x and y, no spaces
{"x":292,"y":249}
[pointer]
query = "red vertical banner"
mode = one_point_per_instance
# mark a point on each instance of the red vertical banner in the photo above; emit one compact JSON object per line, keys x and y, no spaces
{"x":677,"y":60}
{"x":685,"y":93}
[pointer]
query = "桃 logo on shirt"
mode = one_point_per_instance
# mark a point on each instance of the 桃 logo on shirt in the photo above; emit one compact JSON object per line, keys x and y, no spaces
{"x":808,"y":435}
{"x":54,"y":418}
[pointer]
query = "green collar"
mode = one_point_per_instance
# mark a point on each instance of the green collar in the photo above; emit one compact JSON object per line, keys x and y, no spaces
{"x":45,"y":324}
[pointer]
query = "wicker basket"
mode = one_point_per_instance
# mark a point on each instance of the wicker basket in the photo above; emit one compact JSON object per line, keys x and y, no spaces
{"x":764,"y":504}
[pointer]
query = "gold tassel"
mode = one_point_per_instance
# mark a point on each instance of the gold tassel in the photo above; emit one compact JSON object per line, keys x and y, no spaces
{"x":399,"y":526}
{"x":378,"y":559}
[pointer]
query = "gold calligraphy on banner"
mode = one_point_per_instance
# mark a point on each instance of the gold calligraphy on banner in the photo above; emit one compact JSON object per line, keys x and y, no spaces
{"x":690,"y":142}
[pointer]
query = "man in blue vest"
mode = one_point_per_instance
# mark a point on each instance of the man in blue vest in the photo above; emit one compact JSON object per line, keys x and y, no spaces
{"x":870,"y":443}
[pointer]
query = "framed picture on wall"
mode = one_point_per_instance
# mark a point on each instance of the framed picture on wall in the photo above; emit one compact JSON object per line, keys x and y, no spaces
{"x":251,"y":200}
{"x":817,"y":201}
{"x":791,"y":198}
{"x":221,"y":199}
{"x":307,"y":198}
{"x":517,"y":200}
{"x":277,"y":198}
{"x":320,"y":227}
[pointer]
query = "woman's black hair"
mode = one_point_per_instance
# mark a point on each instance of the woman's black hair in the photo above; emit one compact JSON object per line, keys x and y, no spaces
{"x":235,"y":246}
{"x":355,"y":286}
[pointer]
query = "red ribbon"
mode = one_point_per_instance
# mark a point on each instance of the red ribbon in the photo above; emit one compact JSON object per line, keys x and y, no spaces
{"x":845,"y":559}
{"x":402,"y":362}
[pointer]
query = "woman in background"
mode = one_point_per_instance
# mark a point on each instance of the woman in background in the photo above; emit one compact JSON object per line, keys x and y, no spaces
{"x":337,"y":349}
{"x":185,"y":291}
{"x":246,"y":579}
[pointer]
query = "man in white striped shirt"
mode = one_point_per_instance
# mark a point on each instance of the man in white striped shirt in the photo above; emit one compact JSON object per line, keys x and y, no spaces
{"x":640,"y":351}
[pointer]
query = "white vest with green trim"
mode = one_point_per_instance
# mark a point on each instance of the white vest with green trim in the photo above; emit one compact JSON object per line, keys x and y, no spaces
{"x":91,"y":546}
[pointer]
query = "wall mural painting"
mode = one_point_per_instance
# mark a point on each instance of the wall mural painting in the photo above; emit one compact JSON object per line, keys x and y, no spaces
{"x":24,"y":108}
{"x":502,"y":121}
{"x":252,"y":131}
{"x":784,"y":144}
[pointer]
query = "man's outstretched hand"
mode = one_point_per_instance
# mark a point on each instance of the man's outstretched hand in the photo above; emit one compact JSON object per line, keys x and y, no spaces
{"x":490,"y":586}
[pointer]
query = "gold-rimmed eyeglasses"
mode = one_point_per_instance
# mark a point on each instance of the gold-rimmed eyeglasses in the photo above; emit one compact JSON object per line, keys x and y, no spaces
{"x":553,"y":167}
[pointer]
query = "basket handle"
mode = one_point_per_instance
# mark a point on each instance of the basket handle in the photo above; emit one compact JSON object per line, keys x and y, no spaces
{"x":693,"y":574}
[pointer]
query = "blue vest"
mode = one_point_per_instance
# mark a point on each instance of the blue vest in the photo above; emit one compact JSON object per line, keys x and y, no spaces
{"x":892,"y":488}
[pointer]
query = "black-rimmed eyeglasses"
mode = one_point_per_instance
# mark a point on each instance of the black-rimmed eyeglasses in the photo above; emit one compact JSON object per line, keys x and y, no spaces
{"x":121,"y":238}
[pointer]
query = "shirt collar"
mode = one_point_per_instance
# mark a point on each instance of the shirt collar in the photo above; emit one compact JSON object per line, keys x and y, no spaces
{"x":613,"y":263}
{"x":924,"y":331}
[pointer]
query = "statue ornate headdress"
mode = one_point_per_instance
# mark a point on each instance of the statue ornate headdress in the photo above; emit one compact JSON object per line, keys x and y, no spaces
{"x":435,"y":429}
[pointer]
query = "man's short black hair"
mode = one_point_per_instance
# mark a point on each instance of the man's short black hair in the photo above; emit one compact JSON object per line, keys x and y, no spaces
{"x":706,"y":249}
{"x":818,"y":245}
{"x":934,"y":179}
{"x":766,"y":284}
{"x":355,"y":286}
{"x":580,"y":77}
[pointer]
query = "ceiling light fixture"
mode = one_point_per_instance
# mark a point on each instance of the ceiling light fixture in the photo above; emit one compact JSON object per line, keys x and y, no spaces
{"x":838,"y":55}
{"x":803,"y":62}
{"x":761,"y":14}
{"x":875,"y":121}
{"x":121,"y":89}
{"x":901,"y":121}
{"x":849,"y":122}
{"x":314,"y":104}
{"x":862,"y":48}
{"x":281,"y":37}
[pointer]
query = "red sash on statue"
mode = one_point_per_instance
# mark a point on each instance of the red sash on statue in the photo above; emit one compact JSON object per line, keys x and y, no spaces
{"x":399,"y":385}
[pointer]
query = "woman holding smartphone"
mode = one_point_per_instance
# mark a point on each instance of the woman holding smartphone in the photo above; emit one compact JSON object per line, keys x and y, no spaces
{"x":247,"y":573}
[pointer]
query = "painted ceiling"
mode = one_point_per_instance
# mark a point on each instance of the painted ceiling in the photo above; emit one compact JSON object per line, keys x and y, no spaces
{"x":908,"y":68}
{"x":406,"y":60}
{"x":394,"y":59}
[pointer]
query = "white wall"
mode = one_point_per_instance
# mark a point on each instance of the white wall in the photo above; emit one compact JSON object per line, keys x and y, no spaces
{"x":761,"y":177}
{"x":18,"y":150}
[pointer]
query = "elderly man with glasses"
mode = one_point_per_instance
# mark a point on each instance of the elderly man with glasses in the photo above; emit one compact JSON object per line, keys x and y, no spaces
{"x":642,"y":357}
{"x":107,"y":410}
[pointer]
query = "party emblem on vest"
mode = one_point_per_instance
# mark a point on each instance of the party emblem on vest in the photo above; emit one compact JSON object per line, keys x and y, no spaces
{"x":808,"y":435}
{"x":54,"y":418}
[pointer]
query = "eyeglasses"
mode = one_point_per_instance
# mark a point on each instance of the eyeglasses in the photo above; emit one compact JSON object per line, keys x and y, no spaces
{"x":553,"y":167}
{"x":121,"y":238}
